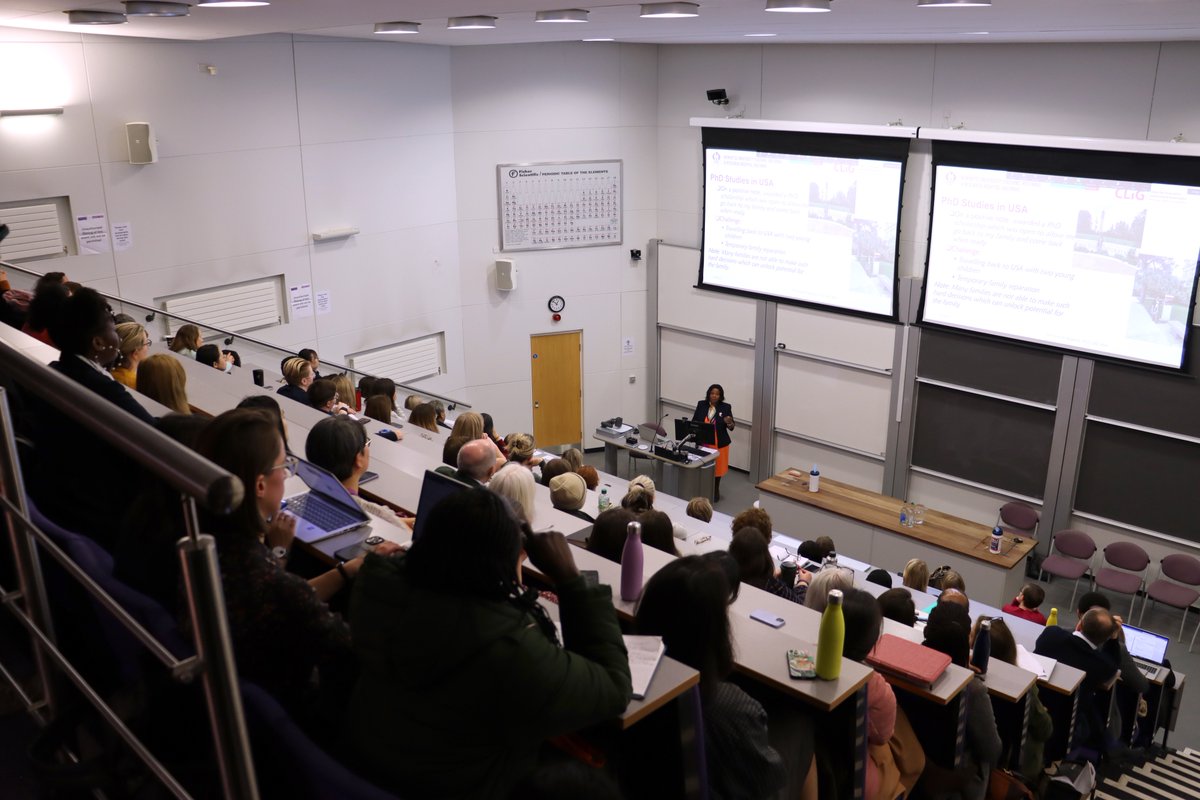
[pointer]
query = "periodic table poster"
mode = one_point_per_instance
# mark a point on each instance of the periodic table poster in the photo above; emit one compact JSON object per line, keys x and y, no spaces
{"x":549,"y":206}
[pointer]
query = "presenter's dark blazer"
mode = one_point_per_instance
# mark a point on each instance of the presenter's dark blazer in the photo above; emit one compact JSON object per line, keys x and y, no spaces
{"x":723,"y":410}
{"x":80,"y":481}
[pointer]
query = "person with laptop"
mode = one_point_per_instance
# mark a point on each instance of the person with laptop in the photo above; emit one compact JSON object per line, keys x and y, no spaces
{"x":1133,"y":684}
{"x":717,"y":418}
{"x":463,"y":673}
{"x":341,"y":446}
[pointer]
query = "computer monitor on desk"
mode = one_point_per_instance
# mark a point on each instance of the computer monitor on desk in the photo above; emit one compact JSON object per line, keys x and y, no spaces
{"x":687,"y":427}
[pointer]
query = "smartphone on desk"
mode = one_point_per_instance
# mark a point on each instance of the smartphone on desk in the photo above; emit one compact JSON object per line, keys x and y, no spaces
{"x":801,"y":666}
{"x":367,"y":476}
{"x":767,"y":618}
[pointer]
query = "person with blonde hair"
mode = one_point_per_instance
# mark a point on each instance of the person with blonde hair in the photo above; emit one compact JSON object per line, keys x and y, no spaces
{"x":640,"y":495}
{"x":574,"y":457}
{"x":423,"y":416}
{"x":412,"y":401}
{"x":345,"y":389}
{"x":162,"y":378}
{"x":186,"y":341}
{"x":518,"y":486}
{"x":916,"y":575}
{"x":298,"y":373}
{"x":133,"y":349}
{"x":468,"y":425}
{"x":521,"y":450}
{"x":700,"y":508}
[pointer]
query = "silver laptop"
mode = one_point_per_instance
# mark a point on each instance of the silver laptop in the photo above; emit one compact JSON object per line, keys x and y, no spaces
{"x":1148,"y":649}
{"x":326,"y":509}
{"x":649,"y":433}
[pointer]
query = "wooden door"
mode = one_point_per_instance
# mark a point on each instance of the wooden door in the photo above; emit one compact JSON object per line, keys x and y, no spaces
{"x":556,"y":364}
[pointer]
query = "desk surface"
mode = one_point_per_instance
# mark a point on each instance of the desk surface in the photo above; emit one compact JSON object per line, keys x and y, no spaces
{"x":961,"y":536}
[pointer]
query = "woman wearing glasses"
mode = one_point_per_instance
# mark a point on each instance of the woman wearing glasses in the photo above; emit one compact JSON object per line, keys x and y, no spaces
{"x":134,"y":347}
{"x":285,"y":638}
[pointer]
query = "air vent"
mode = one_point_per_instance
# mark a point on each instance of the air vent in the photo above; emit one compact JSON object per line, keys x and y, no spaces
{"x":235,"y":307}
{"x":33,"y":232}
{"x":404,"y":362}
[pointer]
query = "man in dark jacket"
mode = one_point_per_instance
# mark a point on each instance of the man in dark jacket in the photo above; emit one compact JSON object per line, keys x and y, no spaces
{"x":1093,"y":648}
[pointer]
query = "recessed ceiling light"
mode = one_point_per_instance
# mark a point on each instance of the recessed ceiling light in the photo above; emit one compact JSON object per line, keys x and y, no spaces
{"x":798,"y":6}
{"x":759,"y":35}
{"x":231,"y":3}
{"x":599,"y":40}
{"x":397,"y":27}
{"x":152,"y":8}
{"x":952,"y":3}
{"x":562,"y":15}
{"x":83,"y":17}
{"x":975,"y":33}
{"x":670,"y":10}
{"x":475,"y":23}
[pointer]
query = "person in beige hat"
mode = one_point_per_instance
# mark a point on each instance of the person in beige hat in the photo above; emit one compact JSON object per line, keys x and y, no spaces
{"x":568,"y":493}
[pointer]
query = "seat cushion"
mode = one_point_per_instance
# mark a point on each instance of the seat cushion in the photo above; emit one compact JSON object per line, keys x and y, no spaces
{"x":1064,"y":567}
{"x":1172,"y":594}
{"x":1124,"y":582}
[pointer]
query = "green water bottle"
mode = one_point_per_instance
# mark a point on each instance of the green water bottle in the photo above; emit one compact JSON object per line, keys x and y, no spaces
{"x":831,"y":638}
{"x":1053,"y":618}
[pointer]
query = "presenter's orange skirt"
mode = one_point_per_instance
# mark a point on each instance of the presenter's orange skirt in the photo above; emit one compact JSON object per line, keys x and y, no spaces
{"x":722,"y":462}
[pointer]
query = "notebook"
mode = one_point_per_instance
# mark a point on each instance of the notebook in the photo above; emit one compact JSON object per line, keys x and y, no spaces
{"x":326,"y":509}
{"x":907,"y":660}
{"x":644,"y":654}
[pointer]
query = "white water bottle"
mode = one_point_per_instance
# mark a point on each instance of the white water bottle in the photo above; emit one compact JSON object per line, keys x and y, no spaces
{"x":814,"y":479}
{"x":997,"y":539}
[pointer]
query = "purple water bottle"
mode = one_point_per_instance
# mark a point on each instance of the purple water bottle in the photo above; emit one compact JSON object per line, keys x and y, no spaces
{"x":631,"y":563}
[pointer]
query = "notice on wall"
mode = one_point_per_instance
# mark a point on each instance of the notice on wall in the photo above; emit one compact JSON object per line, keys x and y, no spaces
{"x":627,"y":348}
{"x":549,"y":206}
{"x":122,"y":236}
{"x":324,"y":304}
{"x":300,"y":298}
{"x":91,"y":234}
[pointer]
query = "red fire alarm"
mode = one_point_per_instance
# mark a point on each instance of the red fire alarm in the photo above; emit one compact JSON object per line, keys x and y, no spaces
{"x":556,"y":317}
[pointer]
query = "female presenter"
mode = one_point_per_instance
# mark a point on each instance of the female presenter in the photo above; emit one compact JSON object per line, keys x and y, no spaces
{"x":715,"y":412}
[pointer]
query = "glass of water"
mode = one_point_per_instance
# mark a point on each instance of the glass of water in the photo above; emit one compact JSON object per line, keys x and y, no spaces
{"x":918,"y":514}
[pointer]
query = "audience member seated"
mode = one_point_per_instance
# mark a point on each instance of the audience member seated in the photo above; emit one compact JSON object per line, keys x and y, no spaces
{"x":916,"y":574}
{"x":881,"y":577}
{"x":412,"y":401}
{"x":951,"y":580}
{"x":298,"y":376}
{"x":948,"y":631}
{"x":386,"y":388}
{"x":1041,"y":726}
{"x":378,"y":408}
{"x":145,"y":556}
{"x":49,"y":295}
{"x":700,"y":508}
{"x":322,"y":395}
{"x":78,"y":479}
{"x":657,"y":531}
{"x":489,"y":430}
{"x":450,"y":450}
{"x":815,"y":550}
{"x":468,"y":425}
{"x":340,"y":445}
{"x":754,"y":517}
{"x":955,"y":596}
{"x":314,"y":361}
{"x":1025,"y":605}
{"x":186,"y":341}
{"x":756,"y":567}
{"x":162,"y":378}
{"x":464,"y":716}
{"x":518,"y":486}
{"x":895,"y":758}
{"x":345,"y":390}
{"x":817,"y":596}
{"x":897,"y":604}
{"x":607,"y":539}
{"x":568,"y":492}
{"x":424,"y":416}
{"x":1132,"y":678}
{"x":365,"y":386}
{"x":687,"y":603}
{"x":283,"y":633}
{"x":574,"y":457}
{"x":134,"y":347}
{"x":590,"y":476}
{"x":521,"y":450}
{"x":264,"y":402}
{"x":212,"y":356}
{"x":639,"y":496}
{"x":235,"y":359}
{"x":440,"y":410}
{"x":476,"y":462}
{"x":554,"y":467}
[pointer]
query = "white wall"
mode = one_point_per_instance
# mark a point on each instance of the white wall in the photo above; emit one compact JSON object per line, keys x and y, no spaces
{"x":291,"y":135}
{"x":554,"y":102}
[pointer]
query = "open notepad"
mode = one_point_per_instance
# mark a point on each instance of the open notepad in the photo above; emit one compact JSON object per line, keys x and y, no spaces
{"x":644,"y":654}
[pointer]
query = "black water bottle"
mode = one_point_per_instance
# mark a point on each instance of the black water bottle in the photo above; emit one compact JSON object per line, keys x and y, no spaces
{"x":983,"y":647}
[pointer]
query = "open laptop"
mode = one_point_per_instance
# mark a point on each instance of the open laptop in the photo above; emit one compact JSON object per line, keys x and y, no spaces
{"x":649,"y":434}
{"x":1149,"y":650}
{"x":326,"y":509}
{"x":435,"y":488}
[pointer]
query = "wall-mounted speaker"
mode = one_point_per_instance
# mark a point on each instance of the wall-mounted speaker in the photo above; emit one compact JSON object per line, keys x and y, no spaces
{"x":143,"y":149}
{"x":506,"y":275}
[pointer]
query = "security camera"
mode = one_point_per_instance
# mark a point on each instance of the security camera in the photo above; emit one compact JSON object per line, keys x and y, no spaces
{"x":718,"y":97}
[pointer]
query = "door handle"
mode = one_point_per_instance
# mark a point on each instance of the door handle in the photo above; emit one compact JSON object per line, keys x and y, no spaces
{"x":536,"y":404}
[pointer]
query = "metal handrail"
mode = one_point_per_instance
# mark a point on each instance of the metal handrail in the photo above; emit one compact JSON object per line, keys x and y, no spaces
{"x":450,"y":402}
{"x":180,"y":467}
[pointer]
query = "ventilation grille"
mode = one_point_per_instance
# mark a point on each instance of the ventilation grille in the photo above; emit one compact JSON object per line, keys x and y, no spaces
{"x":33,"y":232}
{"x":404,"y":362}
{"x":237,"y":308}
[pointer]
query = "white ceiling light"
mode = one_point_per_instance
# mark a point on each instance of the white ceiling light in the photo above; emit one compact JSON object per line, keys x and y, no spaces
{"x":599,"y":39}
{"x":798,"y":6}
{"x":758,"y":35}
{"x":231,"y":3}
{"x":152,"y":8}
{"x":30,"y":112}
{"x":670,"y":10}
{"x":952,"y":3}
{"x":475,"y":23}
{"x":397,"y":27}
{"x":83,"y":17}
{"x":562,"y":15}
